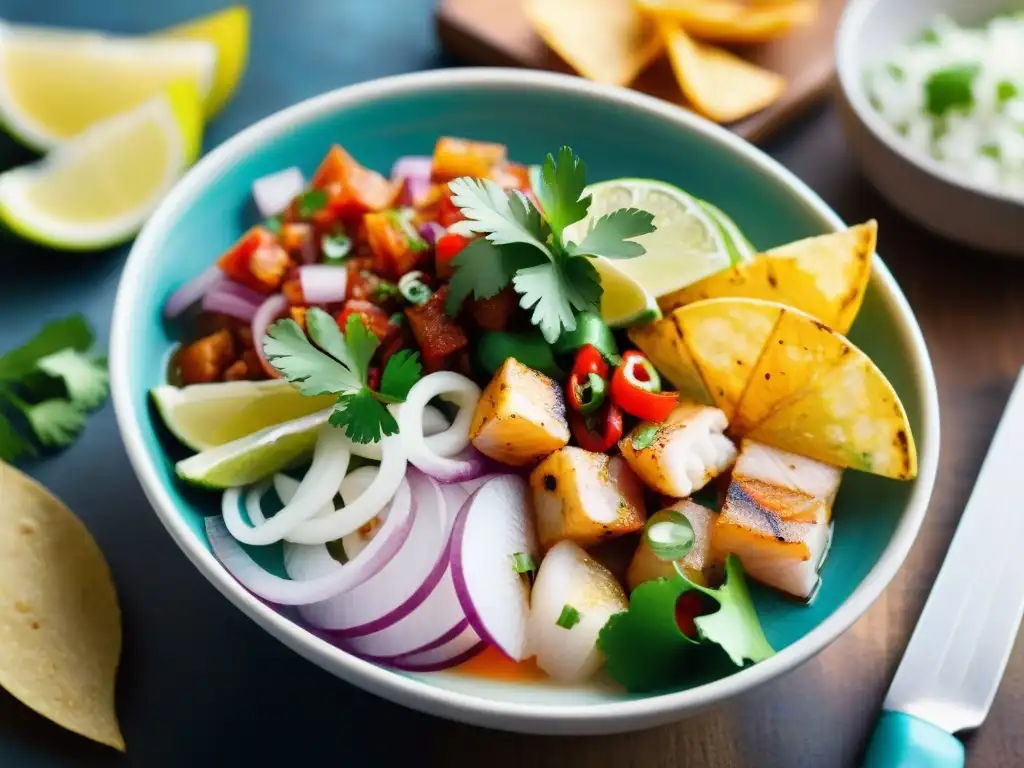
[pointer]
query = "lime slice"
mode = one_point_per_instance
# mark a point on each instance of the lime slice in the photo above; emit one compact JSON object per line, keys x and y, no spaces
{"x":204,"y":416}
{"x":228,"y":30}
{"x":98,"y":188}
{"x":688,"y":245}
{"x":740,"y":248}
{"x":254,"y":457}
{"x":624,"y":301}
{"x":54,"y":83}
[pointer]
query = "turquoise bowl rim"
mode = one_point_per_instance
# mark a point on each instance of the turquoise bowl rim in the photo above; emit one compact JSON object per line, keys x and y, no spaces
{"x":632,"y":714}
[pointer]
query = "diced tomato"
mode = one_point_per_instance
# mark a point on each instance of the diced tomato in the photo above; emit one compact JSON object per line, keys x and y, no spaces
{"x":376,"y":319}
{"x":352,"y":189}
{"x":298,"y":314}
{"x":291,"y":287}
{"x":438,"y":336}
{"x":299,"y":241}
{"x":495,"y":313}
{"x":394,"y":252}
{"x":447,"y":248}
{"x":205,"y":359}
{"x":457,"y":157}
{"x":257,"y":261}
{"x":362,"y":282}
{"x":512,"y":176}
{"x":447,"y":212}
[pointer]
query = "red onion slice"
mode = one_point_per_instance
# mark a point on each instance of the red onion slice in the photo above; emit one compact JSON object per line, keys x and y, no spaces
{"x":192,"y":291}
{"x":403,"y":584}
{"x":273,"y":193}
{"x":352,"y":487}
{"x":431,"y":231}
{"x":270,"y":310}
{"x":241,"y":291}
{"x":495,"y":524}
{"x":458,"y":650}
{"x":219,"y":300}
{"x":274,"y":589}
{"x":323,"y":283}
{"x":427,"y":458}
{"x":319,"y":485}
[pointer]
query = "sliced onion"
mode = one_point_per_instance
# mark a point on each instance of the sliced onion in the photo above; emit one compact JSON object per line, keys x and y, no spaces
{"x":219,"y":300}
{"x":274,"y":589}
{"x":434,"y":425}
{"x":192,"y":291}
{"x":431,"y":231}
{"x":493,"y":525}
{"x":403,"y":584}
{"x":353,"y":486}
{"x":432,"y":460}
{"x":414,"y":171}
{"x":353,"y":516}
{"x":318,"y":486}
{"x":241,"y":291}
{"x":269,"y":311}
{"x":273,"y":193}
{"x":323,"y":283}
{"x":458,"y":650}
{"x":470,"y":486}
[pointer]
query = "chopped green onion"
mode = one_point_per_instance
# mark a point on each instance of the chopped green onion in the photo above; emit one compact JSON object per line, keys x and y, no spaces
{"x":273,"y":224}
{"x":413,"y":288}
{"x":951,"y":88}
{"x":397,"y":319}
{"x":669,"y":534}
{"x":1006,"y":91}
{"x":310,"y":202}
{"x":928,"y":35}
{"x":523,"y":563}
{"x":644,"y":437}
{"x":896,"y":72}
{"x":992,"y":150}
{"x":569,"y":617}
{"x":385,"y":290}
{"x":336,"y":248}
{"x":402,"y":219}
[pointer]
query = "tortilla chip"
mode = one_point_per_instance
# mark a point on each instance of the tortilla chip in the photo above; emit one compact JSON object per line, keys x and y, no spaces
{"x":725,"y":339}
{"x":60,"y":623}
{"x":825,"y":276}
{"x":718,"y":84}
{"x":734,"y":21}
{"x":662,"y":342}
{"x":608,"y":41}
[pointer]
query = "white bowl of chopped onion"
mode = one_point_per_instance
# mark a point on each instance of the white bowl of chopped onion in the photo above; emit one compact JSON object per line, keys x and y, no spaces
{"x":932,"y":100}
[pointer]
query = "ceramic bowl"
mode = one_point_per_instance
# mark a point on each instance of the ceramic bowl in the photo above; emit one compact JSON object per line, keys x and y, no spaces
{"x":619,"y":133}
{"x":913,"y":182}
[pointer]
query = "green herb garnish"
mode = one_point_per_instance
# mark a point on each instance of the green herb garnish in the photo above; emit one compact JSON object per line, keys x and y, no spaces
{"x":554,"y":276}
{"x":992,"y":150}
{"x":413,"y":288}
{"x":273,"y":224}
{"x":1006,"y":91}
{"x":339,"y":365}
{"x":645,"y":648}
{"x":523,"y":563}
{"x":310,"y":202}
{"x":52,"y":383}
{"x":385,"y":290}
{"x":669,"y":534}
{"x":645,"y":436}
{"x":951,"y":88}
{"x":896,"y":72}
{"x":402,"y":219}
{"x":336,"y":248}
{"x":569,"y":617}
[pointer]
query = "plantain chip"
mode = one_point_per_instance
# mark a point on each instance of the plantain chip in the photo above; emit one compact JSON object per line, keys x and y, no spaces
{"x":734,"y":21}
{"x":608,"y":41}
{"x":60,"y":622}
{"x":718,"y":84}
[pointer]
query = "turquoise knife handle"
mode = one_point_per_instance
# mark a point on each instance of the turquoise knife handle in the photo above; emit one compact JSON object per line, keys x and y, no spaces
{"x":904,"y":741}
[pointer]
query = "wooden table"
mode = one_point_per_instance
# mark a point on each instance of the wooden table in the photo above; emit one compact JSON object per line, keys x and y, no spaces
{"x":201,"y":685}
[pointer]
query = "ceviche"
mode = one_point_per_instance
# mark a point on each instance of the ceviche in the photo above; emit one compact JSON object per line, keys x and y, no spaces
{"x":477,"y":407}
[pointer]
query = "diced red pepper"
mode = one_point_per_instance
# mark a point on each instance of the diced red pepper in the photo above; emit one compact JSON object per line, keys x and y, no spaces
{"x":362,"y":282}
{"x":257,"y":261}
{"x":447,"y":212}
{"x":437,"y":335}
{"x":375,"y":318}
{"x":458,"y":157}
{"x":206,"y":359}
{"x":495,"y":313}
{"x":299,"y":241}
{"x":373,"y":377}
{"x":589,"y":360}
{"x":636,"y":389}
{"x":351,"y":189}
{"x":606,"y":432}
{"x":689,"y":606}
{"x":447,"y":247}
{"x":394,"y":252}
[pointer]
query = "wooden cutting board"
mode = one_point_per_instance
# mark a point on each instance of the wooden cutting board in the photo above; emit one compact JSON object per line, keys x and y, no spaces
{"x":497,"y":33}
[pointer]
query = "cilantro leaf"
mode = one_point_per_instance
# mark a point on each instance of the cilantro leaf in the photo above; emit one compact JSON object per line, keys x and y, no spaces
{"x":12,"y":444}
{"x":561,"y":190}
{"x":483,"y":270}
{"x":541,"y":288}
{"x":582,"y":285}
{"x":86,"y":380}
{"x":610,"y":236}
{"x":313,"y":371}
{"x":362,"y":343}
{"x":70,"y":332}
{"x":310,"y":202}
{"x":56,"y":422}
{"x":363,"y":417}
{"x":503,"y":217}
{"x":400,"y":374}
{"x":734,"y":626}
{"x":326,"y":334}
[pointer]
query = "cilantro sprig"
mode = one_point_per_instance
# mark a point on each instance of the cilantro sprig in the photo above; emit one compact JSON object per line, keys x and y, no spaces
{"x":527,"y":246}
{"x":49,"y":383}
{"x":647,"y":651}
{"x":329,"y":362}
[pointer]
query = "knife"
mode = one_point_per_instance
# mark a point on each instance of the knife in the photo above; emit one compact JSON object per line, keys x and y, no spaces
{"x":956,"y":657}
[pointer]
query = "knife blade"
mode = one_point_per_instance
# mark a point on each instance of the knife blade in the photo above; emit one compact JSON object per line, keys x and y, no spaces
{"x":957,"y":654}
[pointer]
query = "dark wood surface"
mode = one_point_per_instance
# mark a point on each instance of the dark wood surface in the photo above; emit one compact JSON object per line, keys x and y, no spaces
{"x":202,"y":685}
{"x":497,"y":33}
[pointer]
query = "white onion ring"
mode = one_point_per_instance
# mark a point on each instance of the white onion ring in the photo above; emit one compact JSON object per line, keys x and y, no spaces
{"x":436,"y":462}
{"x":353,"y":516}
{"x":352,"y":487}
{"x":280,"y":591}
{"x":318,"y":486}
{"x":269,"y":311}
{"x":434,"y":424}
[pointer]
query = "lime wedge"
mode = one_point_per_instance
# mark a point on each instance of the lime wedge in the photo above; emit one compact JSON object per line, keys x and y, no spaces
{"x":624,"y":301}
{"x":56,"y":83}
{"x":204,"y":416}
{"x":254,"y":457}
{"x":688,"y":245}
{"x":740,"y":248}
{"x":98,"y":188}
